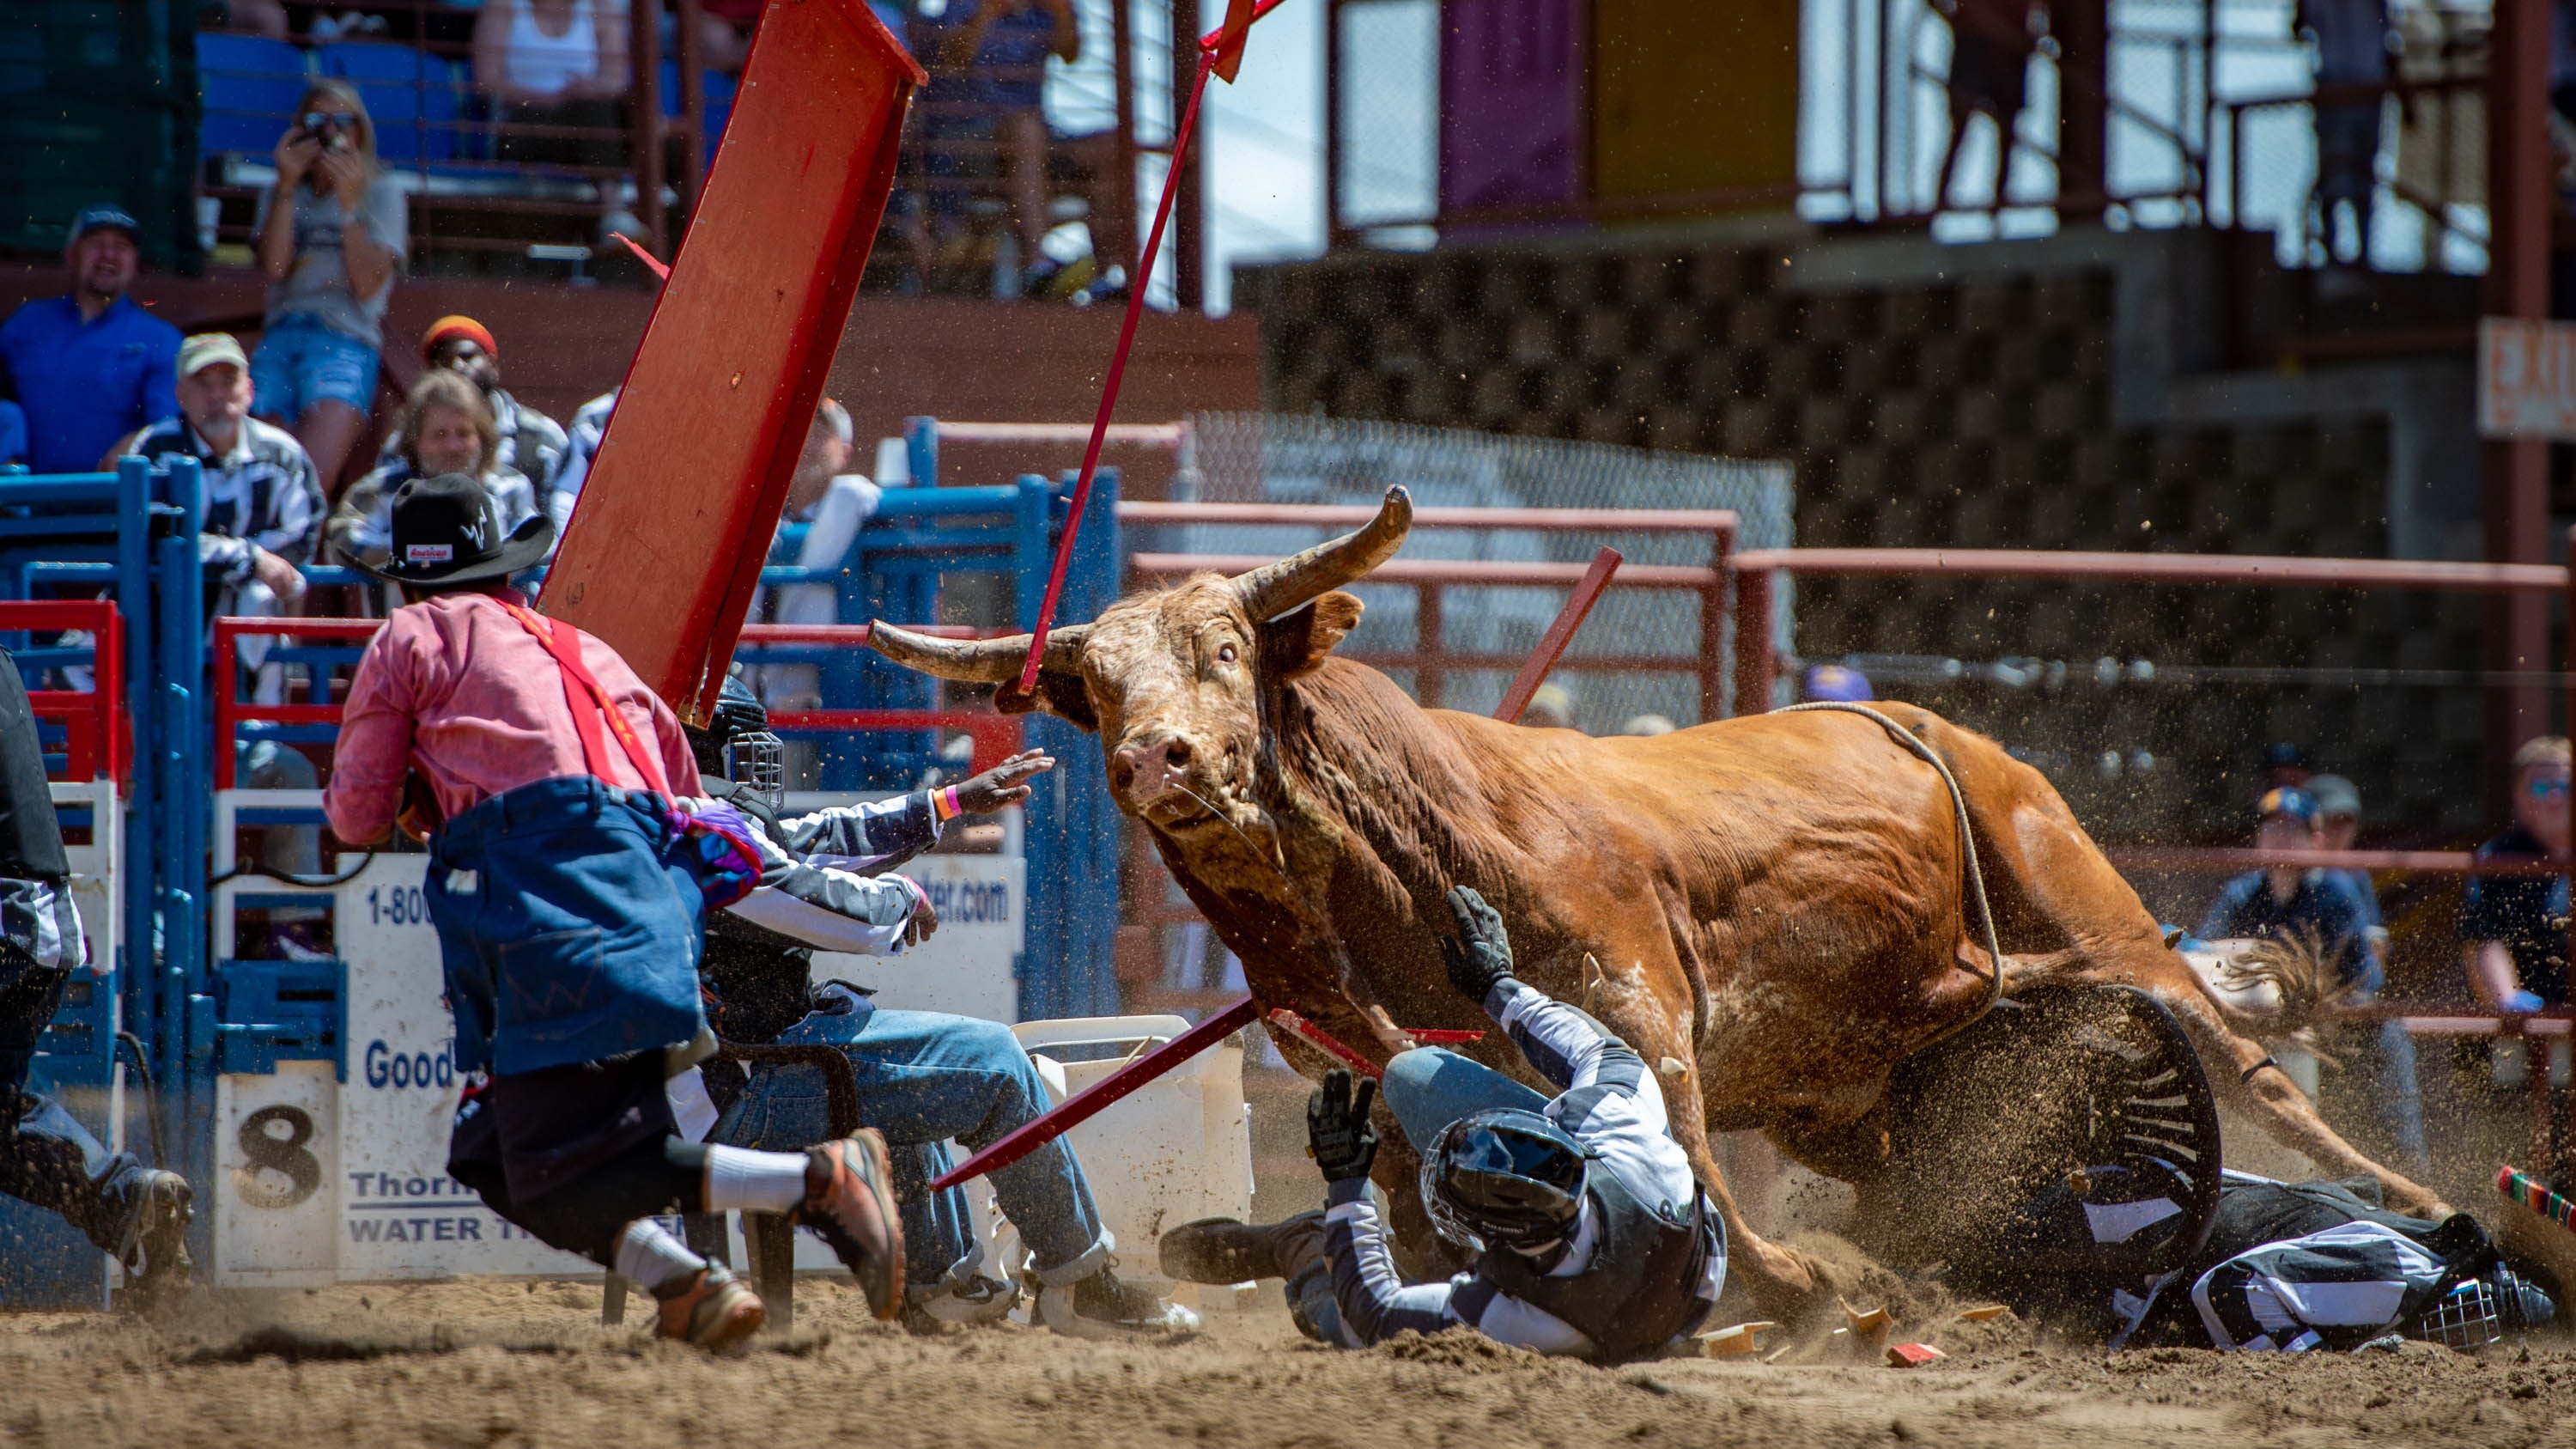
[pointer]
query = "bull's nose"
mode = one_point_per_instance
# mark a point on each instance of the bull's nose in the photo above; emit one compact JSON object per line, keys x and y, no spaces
{"x":1149,"y":768}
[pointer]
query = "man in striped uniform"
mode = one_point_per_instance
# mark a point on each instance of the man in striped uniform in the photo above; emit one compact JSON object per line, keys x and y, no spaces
{"x":263,"y":501}
{"x":2286,"y":1267}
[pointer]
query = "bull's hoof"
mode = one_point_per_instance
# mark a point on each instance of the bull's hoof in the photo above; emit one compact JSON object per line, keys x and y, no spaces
{"x":1791,"y":1287}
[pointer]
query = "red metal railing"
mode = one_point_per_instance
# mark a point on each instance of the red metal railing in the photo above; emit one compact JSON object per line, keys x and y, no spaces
{"x":995,"y":735}
{"x":96,"y":741}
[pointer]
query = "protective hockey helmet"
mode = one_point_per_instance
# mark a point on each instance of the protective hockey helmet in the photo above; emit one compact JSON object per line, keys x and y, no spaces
{"x":2496,"y":1305}
{"x":738,"y":746}
{"x":1504,"y":1178}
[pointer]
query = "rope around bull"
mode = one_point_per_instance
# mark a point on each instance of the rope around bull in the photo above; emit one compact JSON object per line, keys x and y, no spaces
{"x":1967,"y":846}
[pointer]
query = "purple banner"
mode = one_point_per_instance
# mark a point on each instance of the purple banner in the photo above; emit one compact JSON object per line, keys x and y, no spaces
{"x":1510,"y":96}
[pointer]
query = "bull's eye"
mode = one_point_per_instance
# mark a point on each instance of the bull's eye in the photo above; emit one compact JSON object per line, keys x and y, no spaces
{"x":1225,"y":654}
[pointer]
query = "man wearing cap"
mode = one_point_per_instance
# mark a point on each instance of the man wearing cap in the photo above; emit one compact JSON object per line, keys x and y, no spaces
{"x":262,"y":515}
{"x":2338,"y":827}
{"x":531,"y":442}
{"x":2292,"y":904}
{"x":262,"y":499}
{"x":569,"y":886}
{"x":90,"y":367}
{"x":1837,"y":682}
{"x":833,"y":503}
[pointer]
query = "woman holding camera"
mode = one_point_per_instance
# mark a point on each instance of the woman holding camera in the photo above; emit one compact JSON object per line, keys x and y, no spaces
{"x":331,"y":237}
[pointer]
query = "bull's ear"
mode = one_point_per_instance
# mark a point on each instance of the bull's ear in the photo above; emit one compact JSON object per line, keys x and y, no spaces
{"x":1058,"y":694}
{"x":1298,"y":640}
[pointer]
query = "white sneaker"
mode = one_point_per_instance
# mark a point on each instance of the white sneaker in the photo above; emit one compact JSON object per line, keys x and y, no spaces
{"x":1101,"y":1306}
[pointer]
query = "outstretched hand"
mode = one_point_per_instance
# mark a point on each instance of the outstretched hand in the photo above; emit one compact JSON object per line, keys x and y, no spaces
{"x":1004,"y":784}
{"x":1339,"y":1135}
{"x":1480,"y":955}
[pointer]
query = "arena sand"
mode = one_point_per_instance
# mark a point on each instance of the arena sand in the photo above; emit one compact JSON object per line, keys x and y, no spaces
{"x":478,"y":1364}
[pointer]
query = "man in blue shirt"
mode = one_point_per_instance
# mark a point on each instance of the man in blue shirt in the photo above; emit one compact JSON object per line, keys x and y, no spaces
{"x":2291,"y":903}
{"x":90,"y":367}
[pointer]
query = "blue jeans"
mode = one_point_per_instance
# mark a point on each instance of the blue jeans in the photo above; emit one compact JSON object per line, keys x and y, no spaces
{"x":1427,"y":1089}
{"x":1430,"y":1087}
{"x":46,"y":1156}
{"x":301,"y":362}
{"x":925,"y":1078}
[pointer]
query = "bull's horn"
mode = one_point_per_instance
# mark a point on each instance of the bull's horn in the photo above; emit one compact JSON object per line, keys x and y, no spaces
{"x":1273,"y":589}
{"x":982,"y":661}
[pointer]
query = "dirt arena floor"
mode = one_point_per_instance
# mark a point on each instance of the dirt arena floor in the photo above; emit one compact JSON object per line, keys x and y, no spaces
{"x":470,"y":1365}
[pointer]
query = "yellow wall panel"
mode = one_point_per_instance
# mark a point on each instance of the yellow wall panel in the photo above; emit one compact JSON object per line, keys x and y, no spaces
{"x":1693,"y":95}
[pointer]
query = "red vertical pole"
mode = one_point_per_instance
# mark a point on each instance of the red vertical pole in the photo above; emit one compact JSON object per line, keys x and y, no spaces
{"x":1431,"y":675}
{"x":2519,"y":202}
{"x":1712,"y":625}
{"x":1189,"y":232}
{"x":1332,"y":123}
{"x":1754,"y":666}
{"x":645,"y":134}
{"x":1122,"y":187}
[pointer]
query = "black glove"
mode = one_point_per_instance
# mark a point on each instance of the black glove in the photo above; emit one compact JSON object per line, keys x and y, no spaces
{"x":1339,"y":1135}
{"x":1480,"y":957}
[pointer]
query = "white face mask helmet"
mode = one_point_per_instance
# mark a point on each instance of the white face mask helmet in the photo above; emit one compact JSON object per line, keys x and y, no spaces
{"x":2488,"y":1309}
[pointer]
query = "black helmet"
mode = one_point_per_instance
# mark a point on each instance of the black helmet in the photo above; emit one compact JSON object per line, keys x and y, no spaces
{"x":737,"y":745}
{"x":1504,"y":1178}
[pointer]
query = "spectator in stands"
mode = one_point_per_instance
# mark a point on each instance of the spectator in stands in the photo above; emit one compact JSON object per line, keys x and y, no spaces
{"x":581,"y":444}
{"x":2291,"y":904}
{"x":1991,"y":42}
{"x":250,"y":17}
{"x":531,"y":442}
{"x":2285,"y":766}
{"x":91,"y":366}
{"x":1000,"y":48}
{"x":263,"y":502}
{"x":447,"y":427}
{"x":1837,"y":682}
{"x":1550,"y":707}
{"x":2338,"y":826}
{"x":556,"y":63}
{"x":2352,"y":49}
{"x":832,"y":503}
{"x":2513,"y":928}
{"x":263,"y":515}
{"x":331,"y":237}
{"x":724,"y":32}
{"x":1648,"y":725}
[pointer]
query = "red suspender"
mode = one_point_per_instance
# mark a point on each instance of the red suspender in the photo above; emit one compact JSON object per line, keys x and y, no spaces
{"x":590,"y":704}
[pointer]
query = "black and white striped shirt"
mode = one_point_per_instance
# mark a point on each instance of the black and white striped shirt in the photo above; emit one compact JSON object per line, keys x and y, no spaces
{"x":263,"y":494}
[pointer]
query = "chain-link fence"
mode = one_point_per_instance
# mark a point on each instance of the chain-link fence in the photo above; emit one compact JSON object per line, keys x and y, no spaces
{"x":1254,"y":457}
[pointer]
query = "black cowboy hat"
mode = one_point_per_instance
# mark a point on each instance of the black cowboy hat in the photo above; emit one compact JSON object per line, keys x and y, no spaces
{"x":445,"y":532}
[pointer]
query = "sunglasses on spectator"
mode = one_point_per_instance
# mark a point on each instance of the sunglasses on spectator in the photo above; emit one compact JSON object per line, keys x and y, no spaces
{"x":316,"y":120}
{"x":2546,"y":789}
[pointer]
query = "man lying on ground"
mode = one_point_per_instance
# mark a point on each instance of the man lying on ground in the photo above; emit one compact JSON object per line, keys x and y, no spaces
{"x":923,"y":1077}
{"x":1592,"y":1238}
{"x":2287,"y":1267}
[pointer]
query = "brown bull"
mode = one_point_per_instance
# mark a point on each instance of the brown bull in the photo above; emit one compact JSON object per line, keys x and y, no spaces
{"x":1770,"y":907}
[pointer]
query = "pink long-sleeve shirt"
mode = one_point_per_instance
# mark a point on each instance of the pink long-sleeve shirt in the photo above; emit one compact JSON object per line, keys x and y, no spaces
{"x":457,"y":688}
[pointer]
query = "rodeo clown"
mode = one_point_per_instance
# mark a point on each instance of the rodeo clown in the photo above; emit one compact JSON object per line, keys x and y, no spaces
{"x":923,"y":1078}
{"x":1592,"y":1237}
{"x":569,"y":892}
{"x":137,"y":1214}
